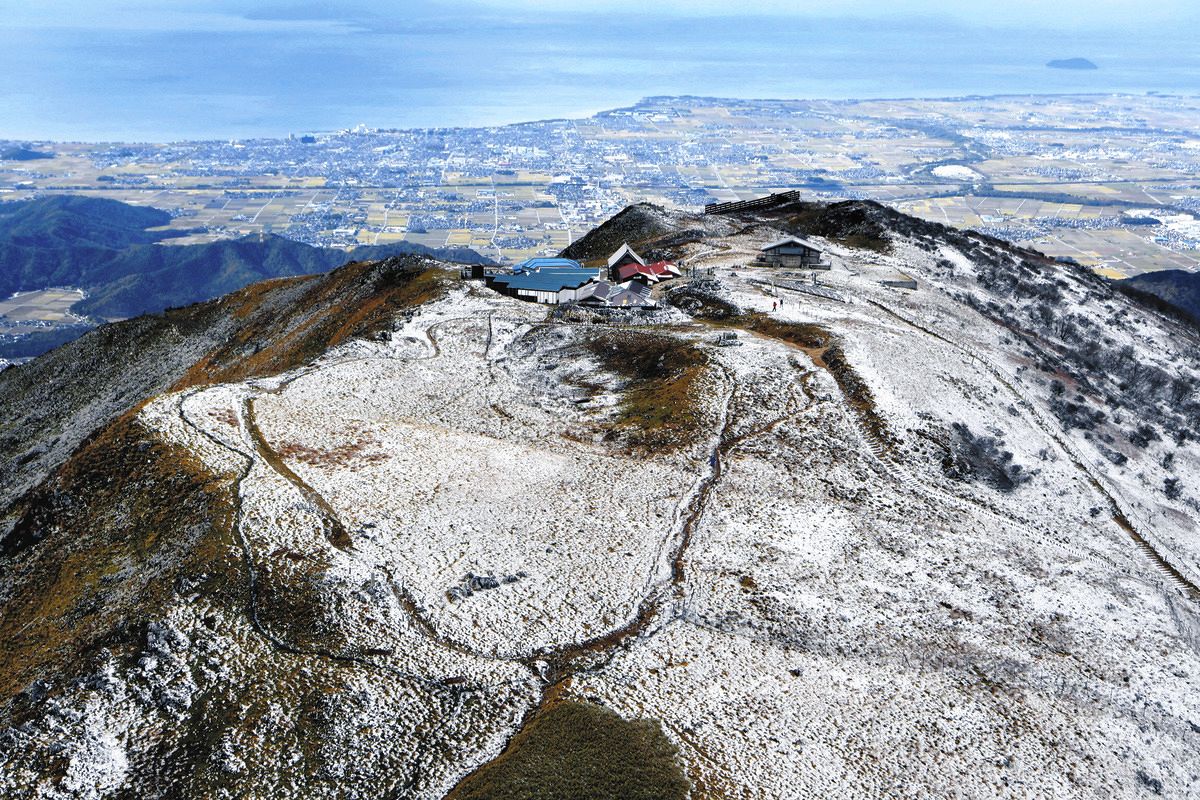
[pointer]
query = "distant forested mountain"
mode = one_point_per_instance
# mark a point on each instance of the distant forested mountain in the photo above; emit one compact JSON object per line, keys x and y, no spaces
{"x":22,"y":154}
{"x":109,"y":249}
{"x":1174,"y":286}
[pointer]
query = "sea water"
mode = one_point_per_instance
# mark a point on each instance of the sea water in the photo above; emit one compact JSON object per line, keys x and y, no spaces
{"x":264,"y":78}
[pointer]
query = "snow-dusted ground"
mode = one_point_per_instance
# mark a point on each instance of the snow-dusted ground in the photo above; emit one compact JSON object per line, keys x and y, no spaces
{"x":465,"y":447}
{"x":863,"y":626}
{"x":467,"y":467}
{"x":847,"y":620}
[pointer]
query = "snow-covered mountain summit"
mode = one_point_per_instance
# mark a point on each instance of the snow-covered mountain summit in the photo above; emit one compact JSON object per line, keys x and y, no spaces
{"x":375,"y":535}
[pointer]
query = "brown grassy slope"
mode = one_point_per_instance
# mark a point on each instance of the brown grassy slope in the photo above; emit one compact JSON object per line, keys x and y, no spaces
{"x":90,"y":543}
{"x":355,"y":301}
{"x":99,"y":546}
{"x":579,"y":751}
{"x":50,"y":406}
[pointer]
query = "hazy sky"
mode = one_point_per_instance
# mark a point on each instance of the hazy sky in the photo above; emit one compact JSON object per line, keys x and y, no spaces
{"x":1017,"y":12}
{"x":246,"y":14}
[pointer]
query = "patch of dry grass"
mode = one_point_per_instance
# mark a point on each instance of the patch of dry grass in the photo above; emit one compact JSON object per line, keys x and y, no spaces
{"x":662,"y":373}
{"x":580,"y":751}
{"x":358,"y":449}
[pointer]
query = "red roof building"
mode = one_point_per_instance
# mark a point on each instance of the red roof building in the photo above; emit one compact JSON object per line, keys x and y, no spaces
{"x":647,"y":273}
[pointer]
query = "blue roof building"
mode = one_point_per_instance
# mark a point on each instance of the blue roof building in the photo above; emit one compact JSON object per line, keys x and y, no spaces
{"x":543,"y":279}
{"x":536,"y":264}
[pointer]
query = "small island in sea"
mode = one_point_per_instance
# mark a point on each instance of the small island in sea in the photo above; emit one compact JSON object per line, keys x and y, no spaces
{"x":1071,"y":63}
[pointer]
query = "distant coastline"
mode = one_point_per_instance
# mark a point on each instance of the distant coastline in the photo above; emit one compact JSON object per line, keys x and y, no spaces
{"x":615,"y":108}
{"x":1072,"y":63}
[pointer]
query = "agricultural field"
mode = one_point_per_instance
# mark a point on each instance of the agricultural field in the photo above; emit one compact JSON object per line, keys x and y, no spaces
{"x":48,"y":306}
{"x":1102,"y":180}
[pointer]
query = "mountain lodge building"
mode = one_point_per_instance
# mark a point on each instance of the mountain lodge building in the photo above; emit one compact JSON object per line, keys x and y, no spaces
{"x":793,"y":252}
{"x":624,"y":257}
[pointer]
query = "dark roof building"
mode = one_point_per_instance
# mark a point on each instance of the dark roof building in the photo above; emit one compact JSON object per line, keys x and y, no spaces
{"x":793,"y":252}
{"x":630,"y":294}
{"x":899,"y":280}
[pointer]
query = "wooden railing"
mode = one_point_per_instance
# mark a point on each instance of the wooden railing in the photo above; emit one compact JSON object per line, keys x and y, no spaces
{"x":746,"y":205}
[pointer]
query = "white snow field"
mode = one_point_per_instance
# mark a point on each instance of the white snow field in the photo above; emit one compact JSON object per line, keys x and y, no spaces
{"x":810,"y":608}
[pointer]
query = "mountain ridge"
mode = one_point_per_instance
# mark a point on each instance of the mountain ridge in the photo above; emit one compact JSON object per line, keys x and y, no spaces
{"x":110,"y":370}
